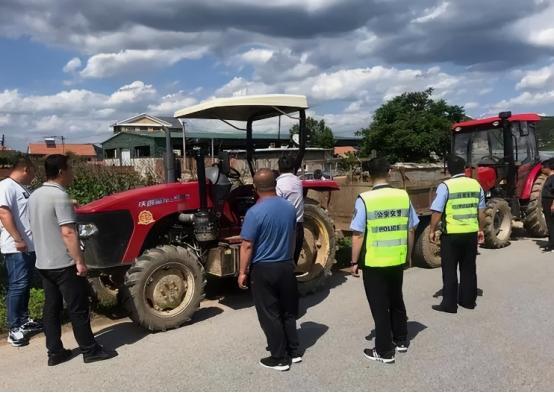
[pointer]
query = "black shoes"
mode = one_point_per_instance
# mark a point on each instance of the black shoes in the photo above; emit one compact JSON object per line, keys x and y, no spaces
{"x":440,"y":307}
{"x":57,"y":358}
{"x":276,"y":364}
{"x":32,"y":327}
{"x":17,"y":338}
{"x":99,"y":355}
{"x":372,"y":354}
{"x":402,"y":346}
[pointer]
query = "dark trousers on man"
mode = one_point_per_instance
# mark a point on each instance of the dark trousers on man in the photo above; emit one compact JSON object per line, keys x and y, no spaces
{"x":275,"y":294}
{"x":59,"y":285}
{"x":549,"y":217}
{"x":459,"y":250}
{"x":299,"y":241}
{"x":383,"y":288}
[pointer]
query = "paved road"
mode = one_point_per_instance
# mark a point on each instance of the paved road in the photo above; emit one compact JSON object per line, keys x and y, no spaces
{"x":505,"y":344}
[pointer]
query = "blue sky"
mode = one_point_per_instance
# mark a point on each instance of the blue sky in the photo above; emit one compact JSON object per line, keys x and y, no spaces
{"x":72,"y":68}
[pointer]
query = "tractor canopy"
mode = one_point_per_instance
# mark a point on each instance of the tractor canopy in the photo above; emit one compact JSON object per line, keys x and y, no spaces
{"x":250,"y":109}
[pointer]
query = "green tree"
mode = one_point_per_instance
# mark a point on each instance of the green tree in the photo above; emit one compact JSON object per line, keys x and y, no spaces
{"x":321,"y":134}
{"x":411,"y":127}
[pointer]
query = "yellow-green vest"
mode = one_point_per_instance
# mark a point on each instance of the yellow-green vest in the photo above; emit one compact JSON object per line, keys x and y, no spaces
{"x":462,"y":207}
{"x":386,"y":234}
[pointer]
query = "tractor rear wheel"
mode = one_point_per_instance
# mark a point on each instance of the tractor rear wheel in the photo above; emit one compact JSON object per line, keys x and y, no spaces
{"x":534,"y":221}
{"x":164,"y":287}
{"x":498,"y":223}
{"x":318,"y":251}
{"x":425,"y":253}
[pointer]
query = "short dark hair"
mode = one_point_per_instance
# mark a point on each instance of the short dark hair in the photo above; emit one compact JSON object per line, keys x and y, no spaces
{"x":455,"y":164}
{"x":20,"y":161}
{"x":548,"y":163}
{"x":318,"y":174}
{"x":53,"y":164}
{"x":286,"y":164}
{"x":378,"y":168}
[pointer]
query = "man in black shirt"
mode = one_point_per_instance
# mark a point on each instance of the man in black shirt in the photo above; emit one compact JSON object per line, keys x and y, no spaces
{"x":548,"y":201}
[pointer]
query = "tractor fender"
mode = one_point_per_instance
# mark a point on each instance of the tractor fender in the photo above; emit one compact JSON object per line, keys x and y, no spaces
{"x":528,"y":186}
{"x":320,"y":185}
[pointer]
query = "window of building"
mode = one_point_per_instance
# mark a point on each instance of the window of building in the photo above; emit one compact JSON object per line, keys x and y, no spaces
{"x":110,"y":153}
{"x":142,"y":151}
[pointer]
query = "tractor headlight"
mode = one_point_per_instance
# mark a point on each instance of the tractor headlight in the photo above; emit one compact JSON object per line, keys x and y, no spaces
{"x":87,"y":230}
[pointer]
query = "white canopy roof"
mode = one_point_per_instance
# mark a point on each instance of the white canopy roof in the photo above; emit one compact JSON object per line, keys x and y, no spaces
{"x":243,"y":108}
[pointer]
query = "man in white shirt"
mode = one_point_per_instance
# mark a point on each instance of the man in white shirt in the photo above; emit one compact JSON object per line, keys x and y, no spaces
{"x":16,"y":244}
{"x":289,"y":186}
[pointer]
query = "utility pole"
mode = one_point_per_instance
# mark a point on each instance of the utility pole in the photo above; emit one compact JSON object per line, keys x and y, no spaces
{"x":184,"y":147}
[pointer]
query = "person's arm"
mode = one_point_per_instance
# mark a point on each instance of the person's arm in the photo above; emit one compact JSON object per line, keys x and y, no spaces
{"x":437,"y":208}
{"x":248,"y":235}
{"x":9,"y":225}
{"x":357,"y":244}
{"x":358,"y":229}
{"x":481,"y":217}
{"x":246,"y":250}
{"x":413,"y":222}
{"x":71,"y":240}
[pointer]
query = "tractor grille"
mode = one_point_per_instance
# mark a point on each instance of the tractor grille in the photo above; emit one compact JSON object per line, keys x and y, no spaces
{"x":106,"y":248}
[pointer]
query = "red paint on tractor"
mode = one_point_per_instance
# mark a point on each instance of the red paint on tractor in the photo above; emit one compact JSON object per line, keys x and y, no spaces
{"x":489,"y":120}
{"x":526,"y":191}
{"x":486,"y":176}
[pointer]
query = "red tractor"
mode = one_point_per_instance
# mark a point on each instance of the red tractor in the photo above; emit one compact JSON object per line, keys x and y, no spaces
{"x":156,"y":245}
{"x":501,"y":153}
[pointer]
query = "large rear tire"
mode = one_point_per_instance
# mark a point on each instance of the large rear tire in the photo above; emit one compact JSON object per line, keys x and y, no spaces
{"x":425,"y":253}
{"x":534,"y":221}
{"x":318,"y":251}
{"x":164,"y":287}
{"x":104,"y":291}
{"x":498,"y":223}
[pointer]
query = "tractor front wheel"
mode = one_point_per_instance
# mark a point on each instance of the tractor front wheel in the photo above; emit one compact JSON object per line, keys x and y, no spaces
{"x":164,"y":287}
{"x":318,"y":251}
{"x":427,"y":254}
{"x":534,"y":221}
{"x":498,"y":223}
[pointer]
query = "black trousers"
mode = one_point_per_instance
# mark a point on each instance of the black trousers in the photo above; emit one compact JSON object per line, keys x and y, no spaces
{"x":59,"y":285}
{"x":549,"y":217}
{"x":299,"y":241}
{"x":275,"y":293}
{"x":459,"y":250}
{"x":383,"y":288}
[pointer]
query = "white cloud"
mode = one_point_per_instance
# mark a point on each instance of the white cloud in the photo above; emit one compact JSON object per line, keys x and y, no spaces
{"x":537,"y":79}
{"x":72,"y":65}
{"x":104,"y":65}
{"x":257,"y":56}
{"x":134,"y":92}
{"x":430,"y":14}
{"x":471,"y":105}
{"x":171,"y":103}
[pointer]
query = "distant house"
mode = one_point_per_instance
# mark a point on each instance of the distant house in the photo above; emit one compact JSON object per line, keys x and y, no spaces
{"x":85,"y":150}
{"x":143,"y":136}
{"x":343,"y":151}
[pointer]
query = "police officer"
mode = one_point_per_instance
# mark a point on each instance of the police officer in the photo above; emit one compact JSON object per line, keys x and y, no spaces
{"x":460,"y":204}
{"x":383,"y":234}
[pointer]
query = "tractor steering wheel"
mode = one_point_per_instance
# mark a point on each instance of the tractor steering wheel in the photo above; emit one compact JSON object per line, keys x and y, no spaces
{"x":234,"y":174}
{"x":493,"y":158}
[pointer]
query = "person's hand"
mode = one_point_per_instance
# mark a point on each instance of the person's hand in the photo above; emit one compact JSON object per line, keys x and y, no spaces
{"x":480,"y":237}
{"x":242,"y":280}
{"x":82,"y":269}
{"x":433,"y":236}
{"x":354,"y":270}
{"x":20,"y":245}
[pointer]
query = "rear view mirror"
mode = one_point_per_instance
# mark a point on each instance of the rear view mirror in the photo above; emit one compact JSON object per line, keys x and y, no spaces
{"x":224,"y":163}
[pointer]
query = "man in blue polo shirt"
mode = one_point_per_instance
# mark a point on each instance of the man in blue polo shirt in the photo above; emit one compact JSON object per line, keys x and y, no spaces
{"x":268,"y":238}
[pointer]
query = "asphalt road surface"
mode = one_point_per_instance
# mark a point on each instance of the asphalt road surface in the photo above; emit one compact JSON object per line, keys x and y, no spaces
{"x":506,"y":343}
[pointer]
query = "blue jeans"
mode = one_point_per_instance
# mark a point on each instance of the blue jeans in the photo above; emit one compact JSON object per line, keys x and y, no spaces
{"x":20,"y":267}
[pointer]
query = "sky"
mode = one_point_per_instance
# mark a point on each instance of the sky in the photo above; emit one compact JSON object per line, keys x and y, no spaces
{"x":73,"y":68}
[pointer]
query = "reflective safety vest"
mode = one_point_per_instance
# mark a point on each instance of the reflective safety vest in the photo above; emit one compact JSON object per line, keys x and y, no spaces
{"x":462,"y":208}
{"x":386,"y":233}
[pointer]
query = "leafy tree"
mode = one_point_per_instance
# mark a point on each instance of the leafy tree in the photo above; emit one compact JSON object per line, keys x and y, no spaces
{"x":321,"y":134}
{"x":411,"y":127}
{"x":545,"y":133}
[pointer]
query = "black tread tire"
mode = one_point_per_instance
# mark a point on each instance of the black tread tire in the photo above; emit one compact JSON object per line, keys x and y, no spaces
{"x":103,"y":295}
{"x":133,"y":290}
{"x":534,"y":221}
{"x":492,"y":238}
{"x":426,"y":254}
{"x":320,"y":281}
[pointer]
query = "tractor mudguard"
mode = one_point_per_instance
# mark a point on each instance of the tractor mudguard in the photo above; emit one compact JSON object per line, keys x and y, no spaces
{"x":528,"y":186}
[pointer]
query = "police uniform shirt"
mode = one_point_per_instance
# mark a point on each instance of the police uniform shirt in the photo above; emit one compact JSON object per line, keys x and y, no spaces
{"x":439,"y":203}
{"x":359,"y":221}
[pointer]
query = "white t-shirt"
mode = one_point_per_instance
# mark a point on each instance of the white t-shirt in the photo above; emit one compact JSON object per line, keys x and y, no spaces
{"x":289,"y":186}
{"x":15,"y":196}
